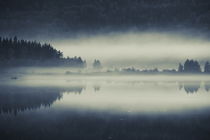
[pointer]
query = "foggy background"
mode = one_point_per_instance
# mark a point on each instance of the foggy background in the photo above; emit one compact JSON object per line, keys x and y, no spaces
{"x":139,"y":49}
{"x":141,"y":33}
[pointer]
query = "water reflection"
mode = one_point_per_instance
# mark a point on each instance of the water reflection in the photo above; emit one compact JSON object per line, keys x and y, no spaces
{"x":190,"y":87}
{"x":207,"y":86}
{"x":194,"y":86}
{"x":19,"y":99}
{"x":123,"y":110}
{"x":75,"y":90}
{"x":96,"y":88}
{"x":91,"y":126}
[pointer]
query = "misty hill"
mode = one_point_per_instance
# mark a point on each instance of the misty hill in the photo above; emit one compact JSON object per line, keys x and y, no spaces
{"x":14,"y":52}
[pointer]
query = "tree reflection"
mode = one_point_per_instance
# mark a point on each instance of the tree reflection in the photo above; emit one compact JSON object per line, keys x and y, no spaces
{"x":19,"y":99}
{"x":193,"y":87}
{"x":75,"y":90}
{"x":190,"y":87}
{"x":96,"y":88}
{"x":207,"y":86}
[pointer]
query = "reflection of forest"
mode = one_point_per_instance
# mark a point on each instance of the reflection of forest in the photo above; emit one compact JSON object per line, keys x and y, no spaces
{"x":96,"y":88}
{"x":75,"y":89}
{"x":193,"y":87}
{"x":19,"y":99}
{"x":207,"y":86}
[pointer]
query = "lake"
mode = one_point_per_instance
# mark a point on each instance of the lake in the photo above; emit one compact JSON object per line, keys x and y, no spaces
{"x":130,"y":107}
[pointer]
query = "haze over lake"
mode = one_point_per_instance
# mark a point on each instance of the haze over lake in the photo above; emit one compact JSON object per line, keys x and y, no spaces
{"x":104,"y":70}
{"x":47,"y":105}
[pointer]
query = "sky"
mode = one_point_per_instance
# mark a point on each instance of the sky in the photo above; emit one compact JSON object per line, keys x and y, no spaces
{"x":143,"y":33}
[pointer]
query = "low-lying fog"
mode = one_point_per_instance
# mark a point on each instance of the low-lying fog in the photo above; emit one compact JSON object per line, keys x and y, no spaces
{"x":128,"y":94}
{"x":139,"y":49}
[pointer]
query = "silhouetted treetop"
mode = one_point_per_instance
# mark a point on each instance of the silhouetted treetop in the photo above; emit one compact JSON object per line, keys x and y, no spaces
{"x":12,"y":48}
{"x":180,"y":68}
{"x":207,"y":67}
{"x":192,"y":66}
{"x":97,"y":64}
{"x":22,"y":52}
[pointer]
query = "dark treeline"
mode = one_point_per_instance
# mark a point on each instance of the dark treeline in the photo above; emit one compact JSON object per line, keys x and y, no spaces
{"x":97,"y":64}
{"x":192,"y":66}
{"x":14,"y":52}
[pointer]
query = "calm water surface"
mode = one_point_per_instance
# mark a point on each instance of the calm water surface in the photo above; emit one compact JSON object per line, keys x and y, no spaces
{"x":105,"y":107}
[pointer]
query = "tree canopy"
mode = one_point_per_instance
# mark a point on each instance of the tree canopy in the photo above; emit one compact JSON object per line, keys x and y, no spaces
{"x":15,"y":52}
{"x":207,"y":67}
{"x":192,"y":66}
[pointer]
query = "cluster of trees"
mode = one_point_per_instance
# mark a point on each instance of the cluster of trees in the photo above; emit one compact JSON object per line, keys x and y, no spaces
{"x":97,"y":64}
{"x":12,"y":48}
{"x":155,"y":70}
{"x":21,"y":52}
{"x":192,"y":66}
{"x":207,"y":67}
{"x":14,"y":52}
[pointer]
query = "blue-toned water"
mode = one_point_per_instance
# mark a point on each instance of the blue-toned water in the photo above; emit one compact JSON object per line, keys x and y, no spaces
{"x":105,"y":107}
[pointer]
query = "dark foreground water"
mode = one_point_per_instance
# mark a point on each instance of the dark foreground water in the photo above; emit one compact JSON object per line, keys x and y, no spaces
{"x":105,"y":108}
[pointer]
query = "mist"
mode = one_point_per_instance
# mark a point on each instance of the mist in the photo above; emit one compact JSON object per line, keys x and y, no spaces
{"x":139,"y":49}
{"x":104,"y":69}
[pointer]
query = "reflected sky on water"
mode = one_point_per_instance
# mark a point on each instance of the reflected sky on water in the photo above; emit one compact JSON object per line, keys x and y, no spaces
{"x":104,"y":108}
{"x":119,"y":94}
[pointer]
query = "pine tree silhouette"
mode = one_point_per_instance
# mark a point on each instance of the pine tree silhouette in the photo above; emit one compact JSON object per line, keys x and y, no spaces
{"x":21,"y":52}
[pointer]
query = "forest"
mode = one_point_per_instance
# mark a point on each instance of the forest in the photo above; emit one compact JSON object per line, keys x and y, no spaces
{"x":14,"y":52}
{"x":189,"y":66}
